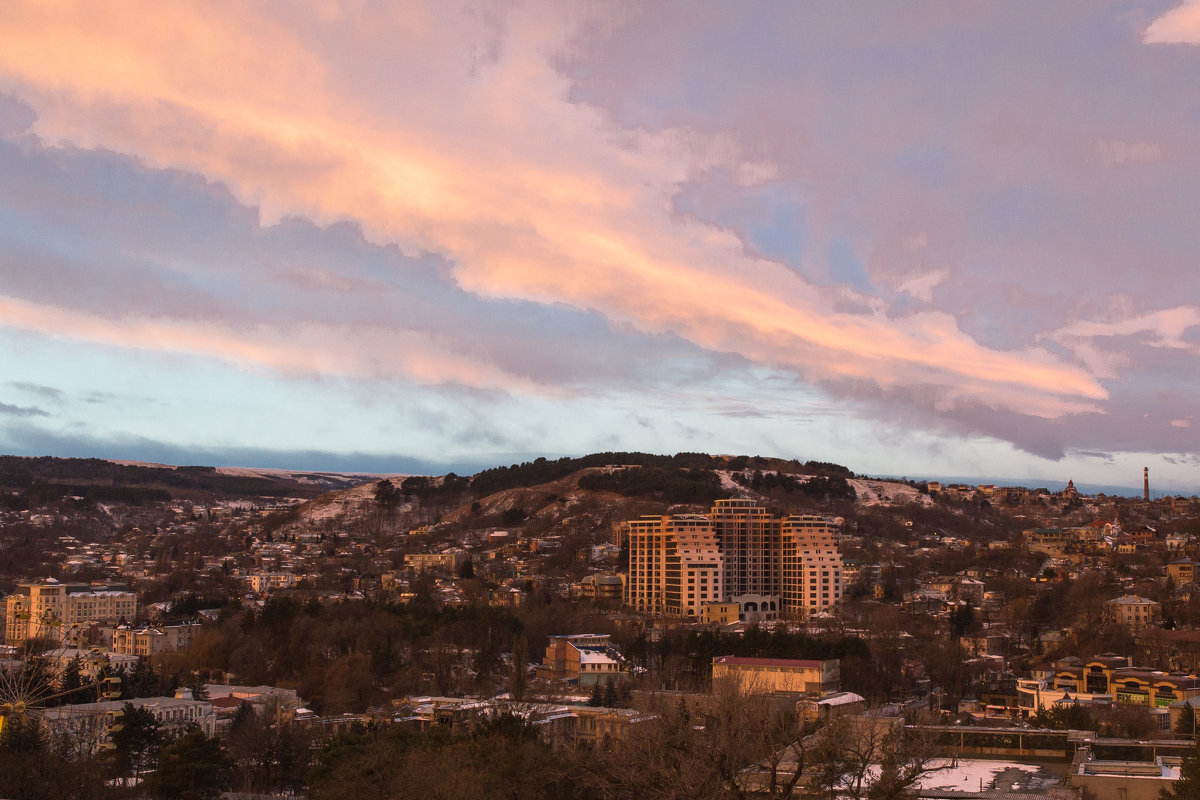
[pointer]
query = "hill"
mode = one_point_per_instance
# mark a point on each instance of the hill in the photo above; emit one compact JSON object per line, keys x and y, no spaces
{"x":594,"y":492}
{"x":30,"y":482}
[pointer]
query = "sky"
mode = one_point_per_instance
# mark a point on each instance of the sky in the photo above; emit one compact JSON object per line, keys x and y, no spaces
{"x":920,"y":238}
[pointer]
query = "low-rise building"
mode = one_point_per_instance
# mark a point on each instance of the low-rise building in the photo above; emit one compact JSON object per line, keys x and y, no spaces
{"x":150,"y":641}
{"x":1182,"y":572}
{"x":766,"y":675}
{"x":1123,"y":780}
{"x":720,"y":613}
{"x":96,"y":719}
{"x":583,"y":658}
{"x":443,"y":562}
{"x":1136,"y":612}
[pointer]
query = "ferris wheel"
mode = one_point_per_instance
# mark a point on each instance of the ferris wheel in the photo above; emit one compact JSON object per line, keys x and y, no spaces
{"x":27,"y":686}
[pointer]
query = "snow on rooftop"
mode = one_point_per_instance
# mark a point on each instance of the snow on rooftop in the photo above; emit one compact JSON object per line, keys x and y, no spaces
{"x":592,"y":657}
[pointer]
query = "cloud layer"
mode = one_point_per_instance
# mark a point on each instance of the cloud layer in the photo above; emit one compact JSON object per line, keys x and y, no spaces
{"x":975,"y":221}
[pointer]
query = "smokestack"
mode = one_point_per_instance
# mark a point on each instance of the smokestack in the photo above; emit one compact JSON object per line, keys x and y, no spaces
{"x":1146,"y":484}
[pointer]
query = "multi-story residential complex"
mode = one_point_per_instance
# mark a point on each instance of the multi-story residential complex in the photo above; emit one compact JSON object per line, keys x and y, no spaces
{"x":153,"y":640}
{"x":680,"y":564}
{"x":750,"y":541}
{"x":811,"y":575}
{"x":1076,"y":541}
{"x":53,"y":609}
{"x":675,"y":565}
{"x":262,"y":582}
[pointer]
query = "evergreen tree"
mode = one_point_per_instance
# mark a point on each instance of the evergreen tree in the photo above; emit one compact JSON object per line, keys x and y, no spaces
{"x":597,"y":699}
{"x":610,"y":694}
{"x":1188,"y":785}
{"x":245,"y":714}
{"x":136,"y":738}
{"x":192,"y":768}
{"x":1186,"y":726}
{"x":29,"y":767}
{"x":387,"y":495}
{"x":72,"y":682}
{"x":199,"y":691}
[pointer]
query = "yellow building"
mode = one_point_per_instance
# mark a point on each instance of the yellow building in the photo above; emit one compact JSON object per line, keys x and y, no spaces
{"x":766,"y":675}
{"x":1114,"y":676}
{"x":1136,"y":612}
{"x":720,"y":613}
{"x":154,"y":640}
{"x":1182,"y":571}
{"x":56,"y":610}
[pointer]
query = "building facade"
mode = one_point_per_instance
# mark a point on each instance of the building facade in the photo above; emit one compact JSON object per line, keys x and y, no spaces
{"x":767,"y":675}
{"x":675,"y":565}
{"x":153,"y":640}
{"x":57,"y":610}
{"x":750,"y":540}
{"x":738,"y":553}
{"x":811,"y":574}
{"x":586,"y":659}
{"x":1138,"y":613}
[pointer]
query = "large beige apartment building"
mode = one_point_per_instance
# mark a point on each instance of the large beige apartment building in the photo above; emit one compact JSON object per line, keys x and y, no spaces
{"x":679,"y":565}
{"x":675,"y":565}
{"x":811,"y":566}
{"x":53,"y":609}
{"x":751,"y":543}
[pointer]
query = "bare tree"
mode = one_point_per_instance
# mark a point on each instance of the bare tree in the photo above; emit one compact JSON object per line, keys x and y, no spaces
{"x":872,"y":758}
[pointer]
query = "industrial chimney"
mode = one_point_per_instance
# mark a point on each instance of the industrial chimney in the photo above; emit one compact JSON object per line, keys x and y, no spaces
{"x":1146,"y":484}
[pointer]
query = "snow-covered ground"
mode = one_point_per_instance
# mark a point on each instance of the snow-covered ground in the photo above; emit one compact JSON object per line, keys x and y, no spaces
{"x":727,"y":481}
{"x":977,"y":774}
{"x":869,"y":492}
{"x":874,"y":493}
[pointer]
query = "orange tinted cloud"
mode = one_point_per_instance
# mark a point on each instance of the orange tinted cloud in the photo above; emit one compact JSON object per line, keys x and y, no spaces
{"x":366,"y":352}
{"x":1180,"y":25}
{"x":481,"y":159}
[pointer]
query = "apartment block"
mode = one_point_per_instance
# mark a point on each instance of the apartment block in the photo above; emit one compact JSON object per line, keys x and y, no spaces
{"x":738,"y":553}
{"x":750,"y":540}
{"x":1138,"y":613}
{"x":675,"y":565}
{"x":811,"y":566}
{"x":57,"y":610}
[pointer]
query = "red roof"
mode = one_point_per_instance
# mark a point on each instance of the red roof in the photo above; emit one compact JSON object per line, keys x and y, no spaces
{"x":766,"y":662}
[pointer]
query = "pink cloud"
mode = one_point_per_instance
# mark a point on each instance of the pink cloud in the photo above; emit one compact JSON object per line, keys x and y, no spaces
{"x":363,"y":352}
{"x":479,"y":157}
{"x":1180,"y":25}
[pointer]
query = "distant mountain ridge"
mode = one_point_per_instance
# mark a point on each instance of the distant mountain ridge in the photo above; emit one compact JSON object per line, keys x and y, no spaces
{"x":45,"y":478}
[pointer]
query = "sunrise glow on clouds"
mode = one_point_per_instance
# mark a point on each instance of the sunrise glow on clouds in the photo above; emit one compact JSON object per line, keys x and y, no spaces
{"x":507,"y":203}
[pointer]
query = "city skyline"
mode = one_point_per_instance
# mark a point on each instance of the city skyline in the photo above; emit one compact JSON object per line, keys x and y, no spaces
{"x":930,"y":241}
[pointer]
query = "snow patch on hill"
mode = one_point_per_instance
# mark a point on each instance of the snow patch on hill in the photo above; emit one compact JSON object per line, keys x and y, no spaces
{"x":878,"y":493}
